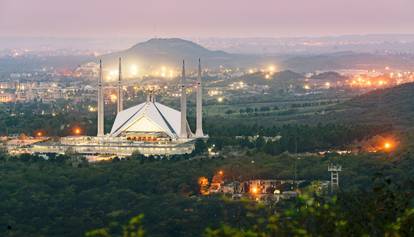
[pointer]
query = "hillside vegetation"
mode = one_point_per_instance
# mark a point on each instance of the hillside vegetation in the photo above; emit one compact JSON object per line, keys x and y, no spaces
{"x":393,"y":106}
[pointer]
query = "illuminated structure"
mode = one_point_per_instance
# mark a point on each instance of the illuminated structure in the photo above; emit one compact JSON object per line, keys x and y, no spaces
{"x":149,"y":128}
{"x":183,"y":120}
{"x":151,"y":121}
{"x":100,"y":102}
{"x":199,"y":108}
{"x":120,"y":94}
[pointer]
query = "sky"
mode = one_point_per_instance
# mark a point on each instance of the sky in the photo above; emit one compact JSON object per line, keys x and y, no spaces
{"x":203,"y":18}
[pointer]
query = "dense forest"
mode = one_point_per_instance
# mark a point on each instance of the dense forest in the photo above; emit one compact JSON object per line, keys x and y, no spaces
{"x":64,"y":196}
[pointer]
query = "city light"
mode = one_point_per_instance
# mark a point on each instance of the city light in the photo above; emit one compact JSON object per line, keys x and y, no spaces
{"x":77,"y":131}
{"x":214,"y":92}
{"x":388,"y":145}
{"x":203,"y":184}
{"x":39,"y":134}
{"x":113,"y":98}
{"x":133,"y":70}
{"x":113,"y":73}
{"x":91,"y":108}
{"x":254,"y":190}
{"x":220,"y":99}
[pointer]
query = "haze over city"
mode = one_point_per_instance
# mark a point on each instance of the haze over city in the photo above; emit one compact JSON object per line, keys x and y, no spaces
{"x":214,"y":18}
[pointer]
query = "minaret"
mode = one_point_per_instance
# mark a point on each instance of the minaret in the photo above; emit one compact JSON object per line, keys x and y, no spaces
{"x":100,"y":102}
{"x":199,"y":109}
{"x":183,"y":132}
{"x":120,"y":93}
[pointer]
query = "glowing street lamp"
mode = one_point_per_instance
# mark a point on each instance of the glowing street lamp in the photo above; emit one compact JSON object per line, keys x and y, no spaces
{"x":387,"y":145}
{"x":77,"y":131}
{"x":254,"y":190}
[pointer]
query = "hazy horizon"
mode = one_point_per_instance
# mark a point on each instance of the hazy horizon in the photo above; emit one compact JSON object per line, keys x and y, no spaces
{"x":191,"y":19}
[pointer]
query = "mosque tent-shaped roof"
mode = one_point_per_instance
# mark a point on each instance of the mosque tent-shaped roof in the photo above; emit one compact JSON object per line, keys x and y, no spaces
{"x":149,"y":116}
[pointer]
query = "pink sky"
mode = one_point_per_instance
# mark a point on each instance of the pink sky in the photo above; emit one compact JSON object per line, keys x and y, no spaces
{"x":195,"y":18}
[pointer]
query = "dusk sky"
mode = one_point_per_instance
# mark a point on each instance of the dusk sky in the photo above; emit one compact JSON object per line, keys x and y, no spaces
{"x":207,"y":18}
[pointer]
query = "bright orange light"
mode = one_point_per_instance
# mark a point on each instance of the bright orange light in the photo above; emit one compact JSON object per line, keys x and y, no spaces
{"x":254,"y":190}
{"x":77,"y":131}
{"x":387,"y":146}
{"x":221,"y":172}
{"x":203,"y":184}
{"x":39,"y":134}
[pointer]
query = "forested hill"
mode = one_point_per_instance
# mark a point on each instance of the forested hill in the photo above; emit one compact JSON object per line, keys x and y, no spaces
{"x":393,"y":106}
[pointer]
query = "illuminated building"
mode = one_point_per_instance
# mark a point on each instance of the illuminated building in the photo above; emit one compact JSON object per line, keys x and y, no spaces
{"x":7,"y":97}
{"x":149,"y":128}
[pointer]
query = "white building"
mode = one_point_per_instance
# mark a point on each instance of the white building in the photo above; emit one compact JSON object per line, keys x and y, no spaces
{"x":149,"y":128}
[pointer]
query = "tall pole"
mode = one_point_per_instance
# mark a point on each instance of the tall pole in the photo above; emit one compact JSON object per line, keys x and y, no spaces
{"x":120,"y":94}
{"x":199,"y":109}
{"x":100,"y":102}
{"x":183,"y":128}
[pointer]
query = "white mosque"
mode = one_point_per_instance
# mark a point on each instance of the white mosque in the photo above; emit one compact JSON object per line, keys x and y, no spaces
{"x":149,"y":128}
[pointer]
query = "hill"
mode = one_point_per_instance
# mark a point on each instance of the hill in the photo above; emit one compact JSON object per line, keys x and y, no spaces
{"x":394,"y":106}
{"x":157,"y":52}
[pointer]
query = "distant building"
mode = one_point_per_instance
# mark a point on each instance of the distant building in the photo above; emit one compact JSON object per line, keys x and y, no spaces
{"x":7,"y":97}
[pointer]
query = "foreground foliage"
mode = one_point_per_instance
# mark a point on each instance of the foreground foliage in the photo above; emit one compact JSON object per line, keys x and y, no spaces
{"x":55,"y":198}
